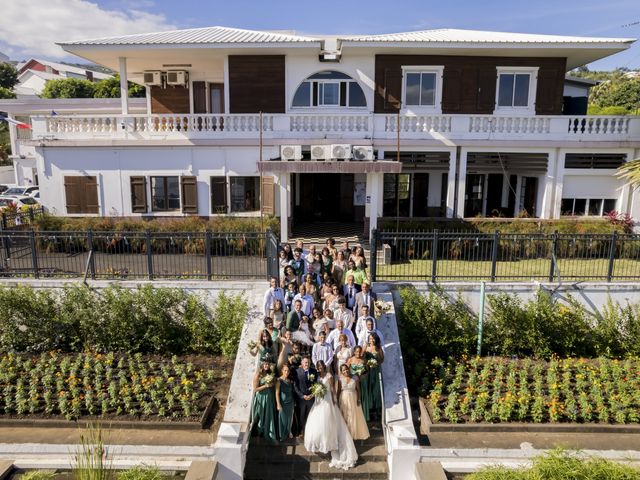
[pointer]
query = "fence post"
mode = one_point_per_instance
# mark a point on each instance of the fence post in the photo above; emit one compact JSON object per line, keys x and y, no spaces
{"x":207,"y":252}
{"x":31,"y":216}
{"x":373,"y":255}
{"x":92,"y":265}
{"x":494,"y":254}
{"x":4,"y":220}
{"x":34,"y":254}
{"x":612,"y":255}
{"x":554,"y":252}
{"x":434,"y":256}
{"x":271,"y":252}
{"x":149,"y":254}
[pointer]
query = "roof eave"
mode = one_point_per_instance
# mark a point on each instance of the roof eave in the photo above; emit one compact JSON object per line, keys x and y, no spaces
{"x":623,"y":45}
{"x":70,"y":47}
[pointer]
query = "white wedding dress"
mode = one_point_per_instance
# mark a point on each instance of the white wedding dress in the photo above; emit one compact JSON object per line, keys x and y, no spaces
{"x":326,"y":431}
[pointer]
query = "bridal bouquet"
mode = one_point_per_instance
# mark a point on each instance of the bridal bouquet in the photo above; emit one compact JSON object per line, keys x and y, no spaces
{"x":268,"y":379}
{"x":318,"y":390}
{"x":358,"y":369}
{"x":252,"y":345}
{"x":372,"y":363}
{"x":382,"y":307}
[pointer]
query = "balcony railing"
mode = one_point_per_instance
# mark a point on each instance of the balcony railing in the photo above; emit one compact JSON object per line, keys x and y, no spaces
{"x":336,"y":126}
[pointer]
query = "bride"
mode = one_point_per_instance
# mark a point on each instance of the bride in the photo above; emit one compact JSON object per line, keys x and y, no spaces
{"x":326,"y":430}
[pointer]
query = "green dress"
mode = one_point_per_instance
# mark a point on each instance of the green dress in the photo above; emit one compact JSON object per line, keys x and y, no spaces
{"x":264,"y":410}
{"x":285,"y":415}
{"x":370,"y":395}
{"x":266,"y":354}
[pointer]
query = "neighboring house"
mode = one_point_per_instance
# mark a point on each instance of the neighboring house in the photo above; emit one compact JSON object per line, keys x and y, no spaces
{"x":576,"y":95}
{"x":474,"y":118}
{"x":35,"y":73}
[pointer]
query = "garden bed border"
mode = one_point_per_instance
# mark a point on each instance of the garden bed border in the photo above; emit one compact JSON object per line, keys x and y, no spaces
{"x":428,"y":426}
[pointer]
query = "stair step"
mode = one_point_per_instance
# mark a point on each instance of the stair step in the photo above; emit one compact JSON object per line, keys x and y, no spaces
{"x":285,"y":454}
{"x":314,"y":470}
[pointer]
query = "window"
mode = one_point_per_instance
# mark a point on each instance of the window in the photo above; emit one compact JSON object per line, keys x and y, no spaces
{"x":81,"y":194}
{"x":422,"y":87}
{"x":245,"y":194}
{"x":516,"y":89}
{"x":329,"y":89}
{"x":587,"y":206}
{"x":219,"y":195}
{"x":594,"y":160}
{"x":396,"y":194}
{"x":165,"y":194}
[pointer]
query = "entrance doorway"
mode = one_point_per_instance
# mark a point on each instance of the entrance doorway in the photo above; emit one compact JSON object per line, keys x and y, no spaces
{"x":324,"y":197}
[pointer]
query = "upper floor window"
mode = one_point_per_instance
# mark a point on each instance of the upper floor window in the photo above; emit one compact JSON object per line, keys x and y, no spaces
{"x":516,"y":89}
{"x":422,"y":87}
{"x":329,"y":89}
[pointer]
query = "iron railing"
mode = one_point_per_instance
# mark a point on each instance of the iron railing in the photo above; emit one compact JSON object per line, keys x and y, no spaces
{"x":16,"y":219}
{"x":499,"y":257}
{"x":138,"y":255}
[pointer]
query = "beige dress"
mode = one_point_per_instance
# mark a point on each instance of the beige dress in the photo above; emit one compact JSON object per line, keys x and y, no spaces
{"x":351,"y":411}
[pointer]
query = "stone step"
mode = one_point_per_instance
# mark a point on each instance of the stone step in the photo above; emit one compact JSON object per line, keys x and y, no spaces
{"x":298,"y":470}
{"x":285,"y":454}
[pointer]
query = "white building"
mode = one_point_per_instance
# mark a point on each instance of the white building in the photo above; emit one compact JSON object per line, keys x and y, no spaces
{"x":474,"y":118}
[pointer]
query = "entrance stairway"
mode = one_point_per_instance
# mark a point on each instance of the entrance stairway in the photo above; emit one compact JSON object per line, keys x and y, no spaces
{"x":289,"y":460}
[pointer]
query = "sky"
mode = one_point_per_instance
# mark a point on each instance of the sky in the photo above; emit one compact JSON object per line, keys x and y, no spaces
{"x":30,"y":28}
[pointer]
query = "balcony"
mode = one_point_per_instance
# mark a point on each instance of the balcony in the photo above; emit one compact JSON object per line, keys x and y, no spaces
{"x":309,"y":127}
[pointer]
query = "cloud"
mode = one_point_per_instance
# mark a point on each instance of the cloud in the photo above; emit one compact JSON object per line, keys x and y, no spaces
{"x":31,"y":27}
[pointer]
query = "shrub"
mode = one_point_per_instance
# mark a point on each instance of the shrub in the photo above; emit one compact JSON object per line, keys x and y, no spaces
{"x":230,"y":314}
{"x":38,"y":475}
{"x":142,"y":472}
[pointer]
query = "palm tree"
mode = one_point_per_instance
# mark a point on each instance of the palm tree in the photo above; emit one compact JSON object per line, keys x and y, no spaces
{"x":630,"y":172}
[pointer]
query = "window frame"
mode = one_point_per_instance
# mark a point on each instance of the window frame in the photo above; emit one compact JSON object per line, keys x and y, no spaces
{"x":230,"y":181}
{"x":530,"y":109}
{"x":334,"y":81}
{"x":166,"y":194}
{"x":587,"y":206}
{"x":436,"y":108}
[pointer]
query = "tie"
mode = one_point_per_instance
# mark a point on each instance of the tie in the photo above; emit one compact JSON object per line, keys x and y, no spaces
{"x":350,"y":292}
{"x":366,"y":299}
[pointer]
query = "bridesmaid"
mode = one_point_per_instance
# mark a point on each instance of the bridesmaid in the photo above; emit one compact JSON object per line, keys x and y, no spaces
{"x":350,"y":406}
{"x":265,"y":348}
{"x":342,"y":353}
{"x":371,"y":394}
{"x":285,"y":403}
{"x":264,"y":403}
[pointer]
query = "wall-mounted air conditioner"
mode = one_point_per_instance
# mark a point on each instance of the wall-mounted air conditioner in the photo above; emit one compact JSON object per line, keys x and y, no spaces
{"x":320,"y":152}
{"x":152,"y":78}
{"x":176,"y":77}
{"x":341,"y":152}
{"x":291,"y":152}
{"x":363,"y":153}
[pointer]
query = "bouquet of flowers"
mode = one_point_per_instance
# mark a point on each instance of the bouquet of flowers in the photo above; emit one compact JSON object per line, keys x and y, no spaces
{"x":358,"y":369}
{"x":318,"y":390}
{"x":252,"y":345}
{"x":372,"y":363}
{"x":382,"y":307}
{"x":268,"y":379}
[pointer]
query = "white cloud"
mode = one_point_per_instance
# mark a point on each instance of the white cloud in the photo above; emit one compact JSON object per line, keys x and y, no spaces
{"x":31,"y":27}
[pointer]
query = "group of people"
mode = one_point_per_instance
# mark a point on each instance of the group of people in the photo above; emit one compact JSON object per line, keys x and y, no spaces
{"x":319,"y":353}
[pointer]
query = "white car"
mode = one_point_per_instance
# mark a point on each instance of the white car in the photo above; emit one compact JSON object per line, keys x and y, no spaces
{"x":19,"y":201}
{"x":21,"y":191}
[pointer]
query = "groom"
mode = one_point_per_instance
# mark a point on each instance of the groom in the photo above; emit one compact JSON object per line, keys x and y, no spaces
{"x":306,"y":376}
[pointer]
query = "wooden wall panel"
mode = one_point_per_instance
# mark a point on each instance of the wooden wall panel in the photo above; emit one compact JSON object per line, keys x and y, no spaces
{"x":169,"y":100}
{"x":469,"y":83}
{"x":256,"y":83}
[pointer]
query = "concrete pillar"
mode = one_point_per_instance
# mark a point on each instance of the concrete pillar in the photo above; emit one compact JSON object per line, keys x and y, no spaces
{"x":556,"y":210}
{"x":462,"y":180}
{"x":451,"y":185}
{"x":285,"y":202}
{"x":13,"y":137}
{"x":374,"y":194}
{"x":516,"y":204}
{"x":124,"y":89}
{"x":546,"y":187}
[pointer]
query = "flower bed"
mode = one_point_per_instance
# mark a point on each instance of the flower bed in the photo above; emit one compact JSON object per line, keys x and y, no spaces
{"x":562,"y":390}
{"x":105,"y":385}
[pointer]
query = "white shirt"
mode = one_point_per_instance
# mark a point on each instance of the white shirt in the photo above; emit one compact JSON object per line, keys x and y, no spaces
{"x":270,"y":297}
{"x":307,"y":303}
{"x":345,"y":315}
{"x":333,"y":338}
{"x":361,"y":324}
{"x":324,"y":352}
{"x":364,"y":336}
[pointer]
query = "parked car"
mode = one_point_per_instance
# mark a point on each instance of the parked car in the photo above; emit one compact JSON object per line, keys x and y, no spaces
{"x":19,"y":191}
{"x":3,"y":188}
{"x":19,"y":201}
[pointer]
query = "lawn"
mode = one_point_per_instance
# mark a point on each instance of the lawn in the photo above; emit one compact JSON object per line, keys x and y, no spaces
{"x":451,"y":270}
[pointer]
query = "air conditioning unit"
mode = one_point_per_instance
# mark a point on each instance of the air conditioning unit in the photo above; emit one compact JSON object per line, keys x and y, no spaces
{"x":320,"y":152}
{"x":291,"y":152}
{"x":153,"y":78}
{"x":363,"y":152}
{"x":176,"y":77}
{"x":341,"y":152}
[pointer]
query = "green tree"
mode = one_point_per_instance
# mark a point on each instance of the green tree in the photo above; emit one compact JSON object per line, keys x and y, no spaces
{"x":622,"y":92}
{"x":630,"y":172}
{"x":8,"y":75}
{"x":6,"y":93}
{"x":110,"y":88}
{"x":68,"y":88}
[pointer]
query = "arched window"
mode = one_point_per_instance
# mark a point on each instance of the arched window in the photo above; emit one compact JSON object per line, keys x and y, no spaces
{"x":329,"y":89}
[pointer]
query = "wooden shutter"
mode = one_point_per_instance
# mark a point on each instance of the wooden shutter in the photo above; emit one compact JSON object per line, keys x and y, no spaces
{"x":199,"y":97}
{"x":549,"y":92}
{"x":189,"y":186}
{"x":139,"y":194}
{"x":73,"y":194}
{"x":487,"y":78}
{"x":90,"y":195}
{"x":267,"y":196}
{"x":392,"y":89}
{"x":218,"y":195}
{"x":451,"y":90}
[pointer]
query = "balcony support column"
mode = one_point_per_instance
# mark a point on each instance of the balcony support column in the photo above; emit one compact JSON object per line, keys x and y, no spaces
{"x":284,"y":191}
{"x":124,"y":89}
{"x":547,"y":186}
{"x":462,"y":182}
{"x":374,"y":196}
{"x":450,"y":206}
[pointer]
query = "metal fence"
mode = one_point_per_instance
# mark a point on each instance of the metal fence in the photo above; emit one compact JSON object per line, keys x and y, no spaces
{"x":455,"y":256}
{"x":138,"y":255}
{"x":16,"y":219}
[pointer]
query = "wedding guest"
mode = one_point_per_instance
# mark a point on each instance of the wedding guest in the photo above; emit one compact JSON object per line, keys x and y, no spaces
{"x":264,"y":349}
{"x":363,"y":338}
{"x":371,"y":387}
{"x":264,"y":403}
{"x":350,"y":405}
{"x":294,"y":317}
{"x":361,"y":323}
{"x":285,"y":402}
{"x":358,"y":258}
{"x":289,"y":295}
{"x":356,"y":363}
{"x":342,"y":353}
{"x":283,"y":261}
{"x":286,"y":248}
{"x":331,"y":245}
{"x":305,"y":377}
{"x":330,"y":318}
{"x":311,"y":288}
{"x":334,"y":336}
{"x":366,"y":297}
{"x":298,"y":264}
{"x":290,"y":277}
{"x":306,"y":299}
{"x":343,"y":313}
{"x":295,"y":357}
{"x":286,"y":349}
{"x":331,"y":299}
{"x":339,"y":267}
{"x":327,"y":261}
{"x":273,"y":293}
{"x":359,"y":275}
{"x":277,"y":314}
{"x":349,"y":290}
{"x":322,"y":351}
{"x":303,"y":335}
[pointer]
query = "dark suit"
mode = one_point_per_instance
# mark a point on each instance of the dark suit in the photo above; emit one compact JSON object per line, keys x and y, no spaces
{"x":351,"y":301}
{"x":301,"y":385}
{"x":293,"y":320}
{"x":360,"y":302}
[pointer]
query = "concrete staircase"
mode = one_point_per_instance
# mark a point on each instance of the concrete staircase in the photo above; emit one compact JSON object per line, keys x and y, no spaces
{"x":289,"y":460}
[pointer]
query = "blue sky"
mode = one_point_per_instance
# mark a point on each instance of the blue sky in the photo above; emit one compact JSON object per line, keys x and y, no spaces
{"x":55,"y":20}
